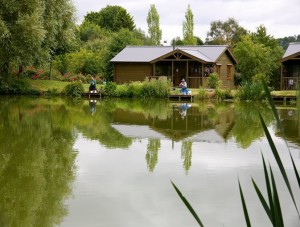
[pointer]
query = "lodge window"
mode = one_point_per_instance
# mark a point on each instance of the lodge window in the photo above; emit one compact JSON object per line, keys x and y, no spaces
{"x":219,"y":69}
{"x":229,"y":71}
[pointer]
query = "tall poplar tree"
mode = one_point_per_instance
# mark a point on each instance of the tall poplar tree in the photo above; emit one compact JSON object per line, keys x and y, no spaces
{"x":153,"y":26}
{"x":188,"y":28}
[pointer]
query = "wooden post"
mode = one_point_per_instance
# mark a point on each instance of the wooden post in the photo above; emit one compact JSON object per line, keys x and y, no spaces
{"x":281,"y":70}
{"x":173,"y":72}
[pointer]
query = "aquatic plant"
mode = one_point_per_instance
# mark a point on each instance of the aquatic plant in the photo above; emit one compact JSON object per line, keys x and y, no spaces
{"x":271,"y":205}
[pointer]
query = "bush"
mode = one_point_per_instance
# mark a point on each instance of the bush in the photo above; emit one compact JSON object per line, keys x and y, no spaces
{"x":251,"y":91}
{"x":74,"y":89}
{"x":202,"y":93}
{"x":159,"y":88}
{"x":223,"y":94}
{"x":122,"y":91}
{"x":110,"y":89}
{"x":135,"y":89}
{"x":213,"y":80}
{"x":17,"y":87}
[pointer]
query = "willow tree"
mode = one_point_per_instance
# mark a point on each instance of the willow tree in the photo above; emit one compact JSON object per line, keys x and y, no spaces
{"x":33,"y":31}
{"x":154,"y":30}
{"x":188,"y":28}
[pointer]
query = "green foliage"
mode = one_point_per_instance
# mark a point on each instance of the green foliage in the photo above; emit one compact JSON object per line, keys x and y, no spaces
{"x":17,"y":87}
{"x":253,"y":58}
{"x":119,"y":41}
{"x":213,"y":80}
{"x":258,"y":53}
{"x":284,"y":42}
{"x":113,"y":18}
{"x":223,"y":94}
{"x":110,"y":89}
{"x":156,"y":88}
{"x":88,"y":31}
{"x":154,"y":30}
{"x":33,"y":31}
{"x":74,"y":89}
{"x":202,"y":93}
{"x":39,"y":166}
{"x":251,"y":91}
{"x":228,"y":32}
{"x":188,"y":28}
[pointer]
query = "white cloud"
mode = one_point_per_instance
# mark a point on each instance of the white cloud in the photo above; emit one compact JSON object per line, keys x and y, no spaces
{"x":280,"y":17}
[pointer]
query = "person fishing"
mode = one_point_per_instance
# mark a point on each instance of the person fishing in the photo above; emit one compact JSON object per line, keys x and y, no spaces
{"x":183,"y":86}
{"x":92,"y":87}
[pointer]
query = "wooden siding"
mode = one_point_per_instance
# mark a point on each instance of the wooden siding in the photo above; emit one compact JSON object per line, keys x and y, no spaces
{"x":127,"y":72}
{"x":227,"y":81}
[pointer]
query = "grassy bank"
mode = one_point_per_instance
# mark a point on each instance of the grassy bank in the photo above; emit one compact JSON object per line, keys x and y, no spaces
{"x":47,"y":85}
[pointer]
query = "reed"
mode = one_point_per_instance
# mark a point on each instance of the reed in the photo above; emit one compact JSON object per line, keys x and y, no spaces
{"x":271,"y":204}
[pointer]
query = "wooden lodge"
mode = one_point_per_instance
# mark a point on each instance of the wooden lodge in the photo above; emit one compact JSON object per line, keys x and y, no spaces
{"x":193,"y":63}
{"x":290,"y":67}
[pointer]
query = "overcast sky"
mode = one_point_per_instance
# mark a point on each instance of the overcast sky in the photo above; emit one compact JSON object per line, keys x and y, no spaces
{"x":280,"y":17}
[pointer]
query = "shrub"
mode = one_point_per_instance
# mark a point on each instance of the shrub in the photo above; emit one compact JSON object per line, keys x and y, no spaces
{"x":223,"y":94}
{"x":213,"y":80}
{"x":122,"y":91}
{"x":17,"y":87}
{"x":110,"y":88}
{"x":74,"y":89}
{"x":159,"y":88}
{"x":251,"y":91}
{"x":135,"y":89}
{"x":202,"y":93}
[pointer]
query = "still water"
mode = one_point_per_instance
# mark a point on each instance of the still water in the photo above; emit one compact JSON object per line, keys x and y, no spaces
{"x":110,"y":163}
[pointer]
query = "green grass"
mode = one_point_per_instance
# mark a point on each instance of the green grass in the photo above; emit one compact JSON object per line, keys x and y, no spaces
{"x":284,"y":93}
{"x":46,"y":85}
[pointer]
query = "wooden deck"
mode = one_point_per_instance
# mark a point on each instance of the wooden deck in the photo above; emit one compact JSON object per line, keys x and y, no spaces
{"x":284,"y":97}
{"x":181,"y":97}
{"x":89,"y":94}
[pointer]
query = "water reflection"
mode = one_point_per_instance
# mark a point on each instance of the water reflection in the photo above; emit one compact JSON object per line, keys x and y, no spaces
{"x":37,"y":160}
{"x":37,"y":163}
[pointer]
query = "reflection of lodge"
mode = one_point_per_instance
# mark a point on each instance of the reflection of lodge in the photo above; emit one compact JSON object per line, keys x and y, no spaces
{"x":195,"y":126}
{"x":290,"y":121}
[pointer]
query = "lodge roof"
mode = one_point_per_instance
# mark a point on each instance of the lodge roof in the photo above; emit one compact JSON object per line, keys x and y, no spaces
{"x":292,"y":50}
{"x":206,"y":53}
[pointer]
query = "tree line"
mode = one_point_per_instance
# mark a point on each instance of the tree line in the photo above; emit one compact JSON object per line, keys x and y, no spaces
{"x":43,"y":35}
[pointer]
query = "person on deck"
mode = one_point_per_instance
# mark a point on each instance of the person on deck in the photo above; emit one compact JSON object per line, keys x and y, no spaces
{"x":183,"y":86}
{"x":92,"y":87}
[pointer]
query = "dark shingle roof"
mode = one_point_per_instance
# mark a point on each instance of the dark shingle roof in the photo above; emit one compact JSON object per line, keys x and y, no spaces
{"x":207,"y":53}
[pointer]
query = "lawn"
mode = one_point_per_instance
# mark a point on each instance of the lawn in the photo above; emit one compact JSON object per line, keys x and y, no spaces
{"x":45,"y":85}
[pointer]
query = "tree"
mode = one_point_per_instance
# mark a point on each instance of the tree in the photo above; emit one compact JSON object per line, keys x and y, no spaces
{"x":177,"y":41}
{"x":228,"y":32}
{"x":33,"y":31}
{"x":119,"y":41}
{"x":276,"y":52}
{"x":188,"y":28}
{"x":253,"y":58}
{"x":112,"y":18}
{"x":284,"y":42}
{"x":153,"y":26}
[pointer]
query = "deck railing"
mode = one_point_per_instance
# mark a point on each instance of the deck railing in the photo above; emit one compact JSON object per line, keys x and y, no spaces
{"x":290,"y":83}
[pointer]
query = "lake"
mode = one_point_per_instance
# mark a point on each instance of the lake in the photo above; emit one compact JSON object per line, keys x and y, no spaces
{"x":110,"y":162}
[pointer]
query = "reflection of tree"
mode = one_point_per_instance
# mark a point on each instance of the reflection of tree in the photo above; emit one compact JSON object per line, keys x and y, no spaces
{"x":247,"y":124}
{"x":37,"y":164}
{"x":186,"y":154}
{"x":152,"y":153}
